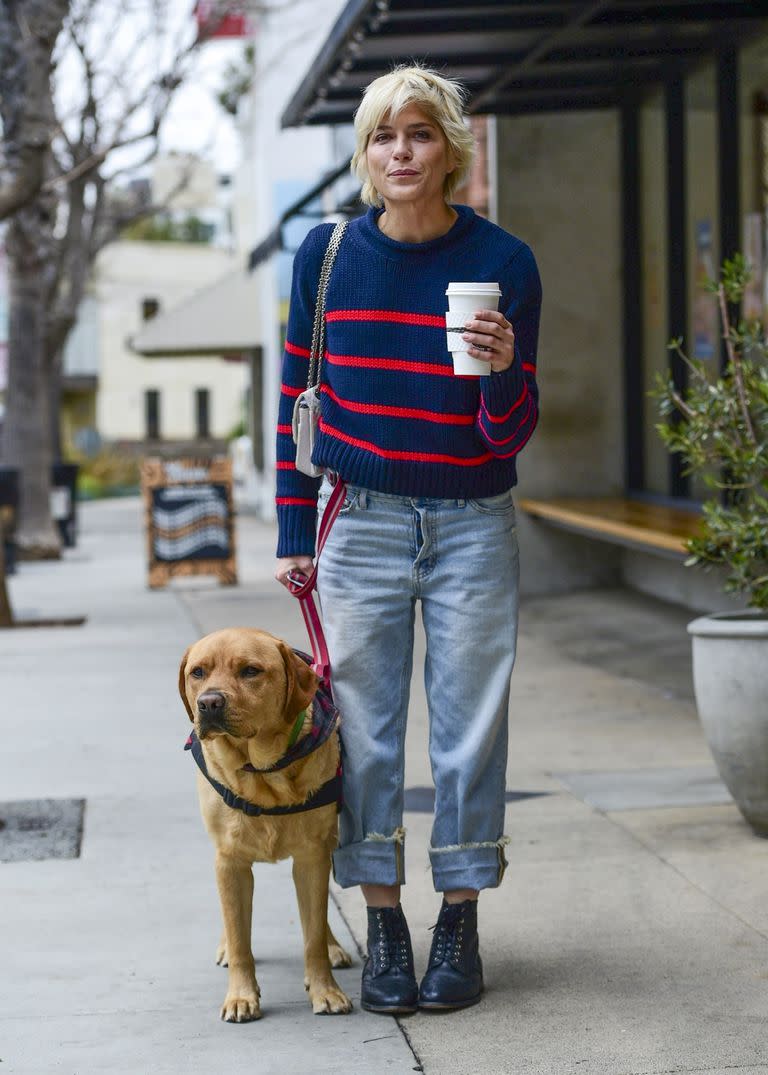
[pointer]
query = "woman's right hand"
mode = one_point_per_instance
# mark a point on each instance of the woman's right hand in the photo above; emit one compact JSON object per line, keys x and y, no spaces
{"x":293,"y":565}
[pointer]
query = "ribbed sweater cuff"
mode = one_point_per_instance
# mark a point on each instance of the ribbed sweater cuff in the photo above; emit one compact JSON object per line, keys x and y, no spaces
{"x":501,"y":391}
{"x":296,"y":530}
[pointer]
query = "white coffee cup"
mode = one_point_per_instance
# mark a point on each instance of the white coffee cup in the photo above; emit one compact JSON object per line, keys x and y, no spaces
{"x":464,"y":299}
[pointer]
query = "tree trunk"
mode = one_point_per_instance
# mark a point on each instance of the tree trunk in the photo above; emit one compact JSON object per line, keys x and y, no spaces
{"x":28,"y":33}
{"x":26,"y":428}
{"x":55,"y":385}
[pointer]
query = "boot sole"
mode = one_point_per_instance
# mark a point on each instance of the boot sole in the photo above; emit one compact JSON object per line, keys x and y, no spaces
{"x":386,"y":1009}
{"x":436,"y":1006}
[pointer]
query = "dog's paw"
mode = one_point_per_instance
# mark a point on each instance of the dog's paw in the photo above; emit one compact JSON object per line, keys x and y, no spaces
{"x":338,"y":956}
{"x":241,"y":1009}
{"x":328,"y":999}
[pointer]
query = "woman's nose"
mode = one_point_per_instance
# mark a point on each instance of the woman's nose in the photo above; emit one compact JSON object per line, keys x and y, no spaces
{"x":402,"y":148}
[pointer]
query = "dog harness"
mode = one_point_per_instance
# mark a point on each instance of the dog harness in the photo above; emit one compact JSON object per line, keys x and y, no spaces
{"x":325,"y":722}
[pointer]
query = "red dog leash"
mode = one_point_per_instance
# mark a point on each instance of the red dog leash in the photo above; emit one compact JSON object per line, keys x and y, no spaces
{"x":303,"y":587}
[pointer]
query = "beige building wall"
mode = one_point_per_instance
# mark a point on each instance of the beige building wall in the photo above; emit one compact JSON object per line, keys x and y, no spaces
{"x":126,"y":274}
{"x":558,"y":189}
{"x":278,"y":159}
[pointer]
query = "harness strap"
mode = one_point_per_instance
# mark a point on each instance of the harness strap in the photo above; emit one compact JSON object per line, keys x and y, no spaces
{"x":329,"y":792}
{"x":304,"y":590}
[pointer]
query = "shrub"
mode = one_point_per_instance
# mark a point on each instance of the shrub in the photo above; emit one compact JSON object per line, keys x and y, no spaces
{"x":719,"y":426}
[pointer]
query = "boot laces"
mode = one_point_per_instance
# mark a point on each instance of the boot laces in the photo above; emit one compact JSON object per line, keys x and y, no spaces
{"x":391,"y":946}
{"x":448,"y":937}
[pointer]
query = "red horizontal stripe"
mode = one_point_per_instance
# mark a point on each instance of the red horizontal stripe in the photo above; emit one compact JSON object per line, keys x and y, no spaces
{"x":400,"y":317}
{"x":413,"y":457}
{"x":523,"y":420}
{"x":292,"y":349}
{"x":519,"y":447}
{"x":295,"y":500}
{"x":289,"y":390}
{"x":400,"y":412}
{"x":285,"y":429}
{"x":286,"y":465}
{"x":362,"y":362}
{"x":509,"y":413}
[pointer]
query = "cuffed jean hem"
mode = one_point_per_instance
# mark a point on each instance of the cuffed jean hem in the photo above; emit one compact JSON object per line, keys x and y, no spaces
{"x":468,"y":865}
{"x":377,"y":860}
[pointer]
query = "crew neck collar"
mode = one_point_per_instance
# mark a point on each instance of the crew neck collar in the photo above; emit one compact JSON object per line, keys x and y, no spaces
{"x":370,"y":231}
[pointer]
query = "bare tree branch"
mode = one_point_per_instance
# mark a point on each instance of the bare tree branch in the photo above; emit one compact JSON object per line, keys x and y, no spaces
{"x":157,"y":96}
{"x":88,"y":110}
{"x":120,"y":221}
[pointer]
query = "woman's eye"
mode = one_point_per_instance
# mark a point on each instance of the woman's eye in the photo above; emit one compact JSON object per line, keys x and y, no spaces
{"x":250,"y":671}
{"x":197,"y":673}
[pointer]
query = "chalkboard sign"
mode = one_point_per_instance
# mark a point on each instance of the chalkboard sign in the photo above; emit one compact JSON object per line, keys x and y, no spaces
{"x":189,"y":519}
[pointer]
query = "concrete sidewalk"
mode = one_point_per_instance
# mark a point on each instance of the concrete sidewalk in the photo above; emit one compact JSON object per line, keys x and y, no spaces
{"x":630,"y":936}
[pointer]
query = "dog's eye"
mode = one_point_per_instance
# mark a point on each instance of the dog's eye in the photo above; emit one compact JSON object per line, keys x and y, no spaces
{"x":250,"y":671}
{"x":197,"y":673}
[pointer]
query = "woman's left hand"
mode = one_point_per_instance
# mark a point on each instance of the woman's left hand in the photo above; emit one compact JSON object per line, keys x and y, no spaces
{"x":492,"y":339}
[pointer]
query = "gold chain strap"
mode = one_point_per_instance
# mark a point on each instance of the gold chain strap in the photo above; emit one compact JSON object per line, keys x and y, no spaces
{"x":318,"y":328}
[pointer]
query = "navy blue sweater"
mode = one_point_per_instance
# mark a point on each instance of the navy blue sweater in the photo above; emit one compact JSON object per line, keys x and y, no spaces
{"x":393,"y":416}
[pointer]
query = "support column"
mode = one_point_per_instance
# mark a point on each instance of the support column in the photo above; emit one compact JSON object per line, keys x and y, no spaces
{"x":677,"y":246}
{"x":632,"y":320}
{"x":728,"y":159}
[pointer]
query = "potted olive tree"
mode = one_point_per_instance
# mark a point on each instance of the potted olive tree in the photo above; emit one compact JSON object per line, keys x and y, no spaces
{"x":719,"y":426}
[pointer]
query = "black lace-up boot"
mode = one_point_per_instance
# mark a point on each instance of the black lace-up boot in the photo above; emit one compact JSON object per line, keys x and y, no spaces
{"x":389,"y":983}
{"x":454,"y":977}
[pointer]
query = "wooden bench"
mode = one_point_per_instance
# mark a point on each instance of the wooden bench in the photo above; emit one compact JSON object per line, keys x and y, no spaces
{"x":636,"y":524}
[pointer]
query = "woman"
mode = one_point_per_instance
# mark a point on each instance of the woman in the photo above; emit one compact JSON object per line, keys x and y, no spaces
{"x":429,"y":461}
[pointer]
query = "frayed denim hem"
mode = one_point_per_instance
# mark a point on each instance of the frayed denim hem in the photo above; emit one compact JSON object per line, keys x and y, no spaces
{"x":376,"y":860}
{"x":469,"y":865}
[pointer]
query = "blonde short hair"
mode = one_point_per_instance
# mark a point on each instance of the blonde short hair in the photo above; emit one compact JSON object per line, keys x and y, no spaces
{"x":442,"y":99}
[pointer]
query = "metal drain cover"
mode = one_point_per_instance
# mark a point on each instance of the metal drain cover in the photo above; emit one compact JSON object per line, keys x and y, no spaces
{"x":35,"y":829}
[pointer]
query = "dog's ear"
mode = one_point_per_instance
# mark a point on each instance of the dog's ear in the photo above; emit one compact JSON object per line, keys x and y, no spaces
{"x":302,"y":683}
{"x":183,"y":684}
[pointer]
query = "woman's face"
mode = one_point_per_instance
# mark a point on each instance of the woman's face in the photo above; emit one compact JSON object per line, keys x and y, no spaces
{"x":408,"y":158}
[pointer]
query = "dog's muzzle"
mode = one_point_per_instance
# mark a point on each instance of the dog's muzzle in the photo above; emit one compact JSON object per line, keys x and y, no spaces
{"x":212,"y":711}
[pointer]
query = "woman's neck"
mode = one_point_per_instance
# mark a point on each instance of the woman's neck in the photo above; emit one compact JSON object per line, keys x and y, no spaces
{"x":416,"y":223}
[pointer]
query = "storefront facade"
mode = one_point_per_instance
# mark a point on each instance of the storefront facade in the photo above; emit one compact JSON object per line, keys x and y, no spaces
{"x":628,"y":151}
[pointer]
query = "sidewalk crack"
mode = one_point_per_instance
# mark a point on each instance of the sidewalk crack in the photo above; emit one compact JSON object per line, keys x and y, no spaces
{"x":419,"y":1063}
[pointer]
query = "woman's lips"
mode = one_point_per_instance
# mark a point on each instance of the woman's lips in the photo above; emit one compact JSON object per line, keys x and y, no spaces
{"x":403,"y":171}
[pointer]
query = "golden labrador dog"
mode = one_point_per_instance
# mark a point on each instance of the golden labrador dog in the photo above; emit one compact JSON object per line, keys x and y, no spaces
{"x":245,"y":692}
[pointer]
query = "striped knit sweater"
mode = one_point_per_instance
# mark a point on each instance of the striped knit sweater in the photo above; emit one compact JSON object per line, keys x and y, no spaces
{"x":393,"y":416}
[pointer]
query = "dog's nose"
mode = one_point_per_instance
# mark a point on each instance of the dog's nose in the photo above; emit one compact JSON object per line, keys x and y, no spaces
{"x":211,"y":705}
{"x":211,"y":702}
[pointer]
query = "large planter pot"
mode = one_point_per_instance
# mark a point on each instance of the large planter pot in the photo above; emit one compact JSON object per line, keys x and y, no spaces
{"x":730,"y":677}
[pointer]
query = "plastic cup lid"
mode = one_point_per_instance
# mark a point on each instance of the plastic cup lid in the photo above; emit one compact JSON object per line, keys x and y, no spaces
{"x":473,"y":287}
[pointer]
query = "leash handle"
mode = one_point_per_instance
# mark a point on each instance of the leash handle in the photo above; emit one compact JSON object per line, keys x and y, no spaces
{"x":304,"y":590}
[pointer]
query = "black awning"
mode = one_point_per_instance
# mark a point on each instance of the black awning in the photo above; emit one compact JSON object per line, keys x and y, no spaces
{"x":520,"y":57}
{"x":274,"y":241}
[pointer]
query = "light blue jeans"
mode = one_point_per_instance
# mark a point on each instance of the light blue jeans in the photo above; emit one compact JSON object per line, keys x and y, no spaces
{"x":458,"y":558}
